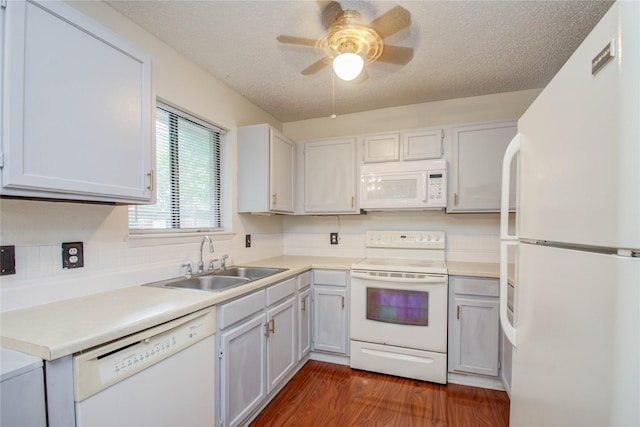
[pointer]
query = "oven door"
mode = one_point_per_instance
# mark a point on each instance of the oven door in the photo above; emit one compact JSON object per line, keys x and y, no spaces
{"x":400,"y":309}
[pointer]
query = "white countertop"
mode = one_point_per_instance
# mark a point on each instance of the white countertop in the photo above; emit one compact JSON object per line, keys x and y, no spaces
{"x":66,"y":327}
{"x":479,"y":269}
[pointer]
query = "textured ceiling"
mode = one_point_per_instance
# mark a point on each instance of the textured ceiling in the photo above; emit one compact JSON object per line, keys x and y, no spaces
{"x":461,"y":49}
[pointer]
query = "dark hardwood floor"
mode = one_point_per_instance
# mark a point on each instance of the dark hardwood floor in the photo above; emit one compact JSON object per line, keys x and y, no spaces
{"x":326,"y":394}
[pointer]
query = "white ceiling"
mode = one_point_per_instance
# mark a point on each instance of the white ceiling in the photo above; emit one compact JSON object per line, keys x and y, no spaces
{"x":461,"y":49}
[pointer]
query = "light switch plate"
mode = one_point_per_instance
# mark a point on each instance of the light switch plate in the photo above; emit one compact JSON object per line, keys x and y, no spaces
{"x":72,"y":255}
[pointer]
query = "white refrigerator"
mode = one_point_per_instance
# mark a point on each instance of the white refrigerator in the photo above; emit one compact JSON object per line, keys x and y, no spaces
{"x":576,"y":325}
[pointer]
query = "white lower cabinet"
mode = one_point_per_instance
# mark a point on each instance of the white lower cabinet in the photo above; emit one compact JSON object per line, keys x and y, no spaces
{"x":257,"y":349}
{"x":304,"y":322}
{"x":281,"y":342}
{"x":474,"y":325}
{"x":331,"y":311}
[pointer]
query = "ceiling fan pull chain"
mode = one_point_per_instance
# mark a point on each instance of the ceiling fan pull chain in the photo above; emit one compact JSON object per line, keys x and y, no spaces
{"x":333,"y":96}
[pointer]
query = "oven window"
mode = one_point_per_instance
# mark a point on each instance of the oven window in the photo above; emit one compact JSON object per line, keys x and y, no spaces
{"x":398,"y":306}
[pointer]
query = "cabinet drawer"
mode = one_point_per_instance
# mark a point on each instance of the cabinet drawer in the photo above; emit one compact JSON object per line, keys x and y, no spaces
{"x":475,"y":286}
{"x":304,"y":280}
{"x":281,"y":290}
{"x":330,"y":277}
{"x":230,"y":313}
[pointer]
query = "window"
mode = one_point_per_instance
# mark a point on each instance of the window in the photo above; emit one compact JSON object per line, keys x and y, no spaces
{"x":188,"y":164}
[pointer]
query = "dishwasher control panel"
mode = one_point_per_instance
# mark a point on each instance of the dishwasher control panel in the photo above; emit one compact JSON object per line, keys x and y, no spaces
{"x":106,"y":365}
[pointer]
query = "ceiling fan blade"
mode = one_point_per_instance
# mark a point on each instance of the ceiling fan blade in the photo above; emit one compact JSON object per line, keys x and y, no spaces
{"x":315,"y":67}
{"x":297,"y":40}
{"x":396,"y":55}
{"x":391,"y":22}
{"x":330,"y":11}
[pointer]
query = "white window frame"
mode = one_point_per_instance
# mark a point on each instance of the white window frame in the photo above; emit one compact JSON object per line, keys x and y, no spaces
{"x":221,"y":198}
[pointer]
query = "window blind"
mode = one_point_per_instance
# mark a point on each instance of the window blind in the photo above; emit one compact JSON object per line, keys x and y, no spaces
{"x":188,"y":165}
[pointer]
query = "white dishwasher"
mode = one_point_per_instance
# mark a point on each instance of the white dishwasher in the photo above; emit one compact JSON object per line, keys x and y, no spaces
{"x":163,"y":376}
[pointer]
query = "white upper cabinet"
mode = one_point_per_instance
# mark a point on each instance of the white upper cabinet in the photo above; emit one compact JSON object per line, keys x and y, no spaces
{"x":79,"y":108}
{"x":266,"y":168}
{"x":330,"y":176}
{"x":422,"y":144}
{"x":476,"y":166}
{"x":417,"y":144}
{"x":382,"y":148}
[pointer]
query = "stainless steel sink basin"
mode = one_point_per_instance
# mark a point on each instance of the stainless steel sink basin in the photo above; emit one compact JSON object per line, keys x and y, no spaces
{"x":203,"y":283}
{"x":251,"y":273}
{"x":219,"y":280}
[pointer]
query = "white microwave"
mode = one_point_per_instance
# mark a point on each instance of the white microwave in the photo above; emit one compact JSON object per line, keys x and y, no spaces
{"x":416,"y":185}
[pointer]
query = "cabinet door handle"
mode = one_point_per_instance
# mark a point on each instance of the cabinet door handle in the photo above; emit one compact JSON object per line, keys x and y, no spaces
{"x":150,"y":175}
{"x":455,"y":199}
{"x":274,"y":199}
{"x":342,"y":302}
{"x":353,"y":202}
{"x":458,"y":312}
{"x":266,"y":329}
{"x":272,"y":329}
{"x":304,"y":305}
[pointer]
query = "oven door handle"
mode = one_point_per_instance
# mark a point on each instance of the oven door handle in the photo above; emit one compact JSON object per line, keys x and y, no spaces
{"x":426,"y":279}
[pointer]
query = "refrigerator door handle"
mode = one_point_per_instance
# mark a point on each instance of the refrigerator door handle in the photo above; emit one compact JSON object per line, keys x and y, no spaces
{"x":508,"y":329}
{"x":506,"y":239}
{"x":512,"y":150}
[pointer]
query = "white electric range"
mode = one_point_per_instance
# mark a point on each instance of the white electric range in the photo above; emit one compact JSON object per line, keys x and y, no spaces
{"x":399,"y":305}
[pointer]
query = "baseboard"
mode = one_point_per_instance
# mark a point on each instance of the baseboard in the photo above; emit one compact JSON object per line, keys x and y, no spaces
{"x":475,"y":381}
{"x":331,"y":358}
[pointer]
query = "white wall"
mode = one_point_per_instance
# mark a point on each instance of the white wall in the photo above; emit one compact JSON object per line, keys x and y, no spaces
{"x":112,"y":259}
{"x":501,"y":106}
{"x":470,"y":237}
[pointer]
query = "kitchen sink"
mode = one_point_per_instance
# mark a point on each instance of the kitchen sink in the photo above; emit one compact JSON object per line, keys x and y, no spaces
{"x":220,"y":280}
{"x":251,"y":273}
{"x":203,"y":283}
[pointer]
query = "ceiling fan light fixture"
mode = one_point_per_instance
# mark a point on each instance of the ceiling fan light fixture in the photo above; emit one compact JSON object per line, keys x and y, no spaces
{"x":348,"y":65}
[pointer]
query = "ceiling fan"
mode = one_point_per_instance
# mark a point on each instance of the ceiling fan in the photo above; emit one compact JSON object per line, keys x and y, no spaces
{"x":349,"y":44}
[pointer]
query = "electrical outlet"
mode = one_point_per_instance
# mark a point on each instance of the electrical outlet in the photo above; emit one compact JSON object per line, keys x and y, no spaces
{"x":7,"y":260}
{"x":247,"y":241}
{"x":72,"y":255}
{"x":333,"y":237}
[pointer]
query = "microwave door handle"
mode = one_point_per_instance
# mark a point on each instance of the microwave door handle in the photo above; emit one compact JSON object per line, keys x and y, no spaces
{"x":426,"y":188}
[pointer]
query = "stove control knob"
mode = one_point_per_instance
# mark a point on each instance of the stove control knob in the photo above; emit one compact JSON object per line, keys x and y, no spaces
{"x":436,"y":238}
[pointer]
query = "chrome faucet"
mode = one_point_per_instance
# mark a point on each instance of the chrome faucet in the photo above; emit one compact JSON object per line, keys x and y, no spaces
{"x":200,"y":263}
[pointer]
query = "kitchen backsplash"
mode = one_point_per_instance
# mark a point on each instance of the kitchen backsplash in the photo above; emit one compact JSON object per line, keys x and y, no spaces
{"x":470,"y":237}
{"x":112,"y":259}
